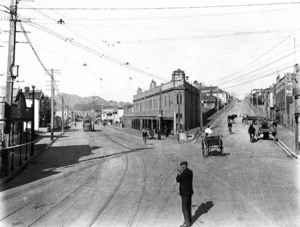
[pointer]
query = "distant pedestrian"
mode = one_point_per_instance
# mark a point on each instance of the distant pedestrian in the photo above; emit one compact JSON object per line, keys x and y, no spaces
{"x":144,"y":135}
{"x":251,"y":131}
{"x":185,"y":180}
{"x":230,"y":121}
{"x":274,"y":130}
{"x":75,"y":124}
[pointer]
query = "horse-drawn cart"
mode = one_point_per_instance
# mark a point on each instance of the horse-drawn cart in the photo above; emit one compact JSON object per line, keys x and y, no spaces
{"x":208,"y":142}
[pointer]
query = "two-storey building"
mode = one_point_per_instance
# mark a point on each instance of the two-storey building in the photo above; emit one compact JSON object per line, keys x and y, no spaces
{"x":166,"y":106}
{"x":283,"y":93}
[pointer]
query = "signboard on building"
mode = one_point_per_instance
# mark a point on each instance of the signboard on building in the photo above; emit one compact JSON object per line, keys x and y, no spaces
{"x":289,"y":88}
{"x":178,"y":77}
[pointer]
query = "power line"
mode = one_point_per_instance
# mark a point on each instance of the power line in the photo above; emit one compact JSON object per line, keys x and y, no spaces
{"x":97,"y":53}
{"x":165,"y":8}
{"x":66,"y":27}
{"x":258,"y":74}
{"x":35,"y":53}
{"x":239,"y":70}
{"x":224,"y":35}
{"x":267,"y":75}
{"x":171,"y":17}
{"x":257,"y":69}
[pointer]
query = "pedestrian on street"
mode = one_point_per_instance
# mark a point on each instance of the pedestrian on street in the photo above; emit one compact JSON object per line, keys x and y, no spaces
{"x":251,"y":131}
{"x":185,"y":180}
{"x":274,"y":130}
{"x":230,"y":125}
{"x":144,"y":135}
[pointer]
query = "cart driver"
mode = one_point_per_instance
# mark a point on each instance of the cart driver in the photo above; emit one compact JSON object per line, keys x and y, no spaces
{"x":208,"y":131}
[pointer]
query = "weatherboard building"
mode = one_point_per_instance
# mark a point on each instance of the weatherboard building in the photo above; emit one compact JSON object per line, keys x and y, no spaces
{"x":162,"y":107}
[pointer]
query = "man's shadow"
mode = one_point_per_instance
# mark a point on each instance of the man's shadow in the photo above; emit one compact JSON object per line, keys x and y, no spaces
{"x":202,"y":209}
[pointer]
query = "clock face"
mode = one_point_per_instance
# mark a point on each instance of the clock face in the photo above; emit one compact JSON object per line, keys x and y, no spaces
{"x":178,"y":77}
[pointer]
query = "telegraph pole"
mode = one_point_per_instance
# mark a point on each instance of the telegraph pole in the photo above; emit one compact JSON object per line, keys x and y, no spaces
{"x":52,"y":103}
{"x":296,"y":90}
{"x":11,"y":52}
{"x":178,"y":127}
{"x":200,"y":107}
{"x":296,"y":114}
{"x":32,"y":122}
{"x":257,"y":104}
{"x":9,"y":85}
{"x":62,"y":115}
{"x":217,"y":100}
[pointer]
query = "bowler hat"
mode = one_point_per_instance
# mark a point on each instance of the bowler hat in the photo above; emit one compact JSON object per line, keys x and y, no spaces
{"x":183,"y":163}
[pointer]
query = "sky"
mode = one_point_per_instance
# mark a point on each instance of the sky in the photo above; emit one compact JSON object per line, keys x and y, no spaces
{"x":110,"y":48}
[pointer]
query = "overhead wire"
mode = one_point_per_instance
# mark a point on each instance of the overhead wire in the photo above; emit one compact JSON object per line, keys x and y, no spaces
{"x":258,"y":74}
{"x":71,"y":30}
{"x":264,"y":54}
{"x":173,"y":17}
{"x":267,"y":75}
{"x":95,"y":52}
{"x":257,"y":69}
{"x":172,"y":39}
{"x":37,"y":56}
{"x":168,"y":8}
{"x":200,"y":56}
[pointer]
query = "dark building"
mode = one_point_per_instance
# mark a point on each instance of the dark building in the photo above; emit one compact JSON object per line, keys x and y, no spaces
{"x":163,"y":106}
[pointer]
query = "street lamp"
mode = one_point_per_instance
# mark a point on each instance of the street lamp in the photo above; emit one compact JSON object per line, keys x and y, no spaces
{"x":32,"y":123}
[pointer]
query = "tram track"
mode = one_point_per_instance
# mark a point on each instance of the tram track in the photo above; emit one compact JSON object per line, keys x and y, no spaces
{"x":113,"y":194}
{"x":49,"y":191}
{"x":88,"y":181}
{"x":67,"y":198}
{"x":43,"y":184}
{"x":47,"y":182}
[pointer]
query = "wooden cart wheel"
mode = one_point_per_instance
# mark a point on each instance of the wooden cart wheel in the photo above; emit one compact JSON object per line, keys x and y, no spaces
{"x":207,"y":151}
{"x":221,"y":147}
{"x":221,"y":150}
{"x":203,"y":148}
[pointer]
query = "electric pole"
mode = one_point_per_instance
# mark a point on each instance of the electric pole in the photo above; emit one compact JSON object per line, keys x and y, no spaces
{"x":256,"y":103}
{"x":62,"y":115}
{"x":11,"y":51}
{"x":217,"y":100}
{"x":296,"y":114}
{"x":32,"y":122}
{"x":52,"y":103}
{"x":200,"y":107}
{"x":178,"y":127}
{"x":52,"y":72}
{"x":9,"y":85}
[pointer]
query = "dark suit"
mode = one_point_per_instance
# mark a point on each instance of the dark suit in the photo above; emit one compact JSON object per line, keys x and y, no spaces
{"x":185,"y":180}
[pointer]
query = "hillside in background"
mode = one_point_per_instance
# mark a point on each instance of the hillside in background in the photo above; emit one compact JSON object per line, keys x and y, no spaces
{"x":78,"y":103}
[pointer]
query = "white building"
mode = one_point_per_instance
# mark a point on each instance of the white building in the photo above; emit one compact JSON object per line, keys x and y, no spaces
{"x":38,"y":97}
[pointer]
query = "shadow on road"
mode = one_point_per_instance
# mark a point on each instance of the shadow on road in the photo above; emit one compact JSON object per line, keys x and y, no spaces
{"x":202,"y":209}
{"x":45,"y":163}
{"x":218,"y":153}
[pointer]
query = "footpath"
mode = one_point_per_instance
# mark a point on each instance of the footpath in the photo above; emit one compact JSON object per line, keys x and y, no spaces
{"x":286,"y":136}
{"x":19,"y":157}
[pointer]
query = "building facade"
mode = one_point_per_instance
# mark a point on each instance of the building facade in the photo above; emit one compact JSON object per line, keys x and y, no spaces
{"x":165,"y":107}
{"x":38,"y":96}
{"x":283,"y":93}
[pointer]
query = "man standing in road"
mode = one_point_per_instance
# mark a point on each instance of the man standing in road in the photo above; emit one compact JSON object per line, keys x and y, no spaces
{"x":185,"y":180}
{"x":144,"y":135}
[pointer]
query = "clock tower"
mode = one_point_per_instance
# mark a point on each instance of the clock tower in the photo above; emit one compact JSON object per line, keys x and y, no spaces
{"x":178,"y":77}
